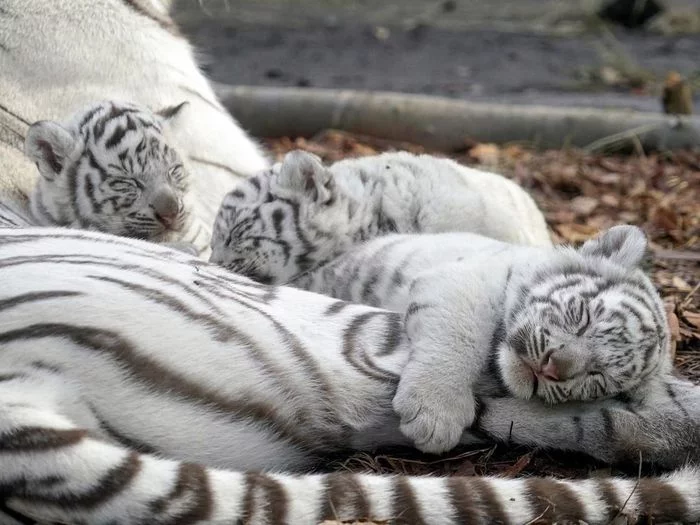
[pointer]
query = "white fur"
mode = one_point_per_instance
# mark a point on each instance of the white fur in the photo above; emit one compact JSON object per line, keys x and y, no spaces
{"x":334,"y":208}
{"x":468,"y":300}
{"x":58,"y":57}
{"x":115,"y":339}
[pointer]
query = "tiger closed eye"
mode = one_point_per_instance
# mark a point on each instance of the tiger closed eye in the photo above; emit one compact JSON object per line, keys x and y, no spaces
{"x":121,"y":184}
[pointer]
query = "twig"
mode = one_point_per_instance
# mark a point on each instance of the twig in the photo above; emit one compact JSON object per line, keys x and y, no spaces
{"x":631,"y":134}
{"x":686,"y":301}
{"x":634,"y":489}
{"x":536,"y":519}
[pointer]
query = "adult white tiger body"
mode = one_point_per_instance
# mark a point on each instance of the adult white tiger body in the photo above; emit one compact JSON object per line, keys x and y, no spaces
{"x":58,"y":57}
{"x":131,"y":374}
{"x":301,"y":215}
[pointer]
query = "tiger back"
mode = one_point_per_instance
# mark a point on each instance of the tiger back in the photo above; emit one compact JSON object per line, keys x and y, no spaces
{"x":141,"y":385}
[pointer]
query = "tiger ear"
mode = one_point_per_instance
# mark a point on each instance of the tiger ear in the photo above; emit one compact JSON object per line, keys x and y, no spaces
{"x":624,"y":245}
{"x":48,"y":144}
{"x":169,"y":112}
{"x":304,"y":173}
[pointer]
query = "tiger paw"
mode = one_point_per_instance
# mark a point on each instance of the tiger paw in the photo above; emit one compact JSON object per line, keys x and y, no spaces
{"x":433,"y":413}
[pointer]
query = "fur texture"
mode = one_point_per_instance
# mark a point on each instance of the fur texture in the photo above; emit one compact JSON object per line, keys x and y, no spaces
{"x":138,"y":383}
{"x":59,"y":57}
{"x":554,"y":323}
{"x":302,"y":215}
{"x":111,"y":169}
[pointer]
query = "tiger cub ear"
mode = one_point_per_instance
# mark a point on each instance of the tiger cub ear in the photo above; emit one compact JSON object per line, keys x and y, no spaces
{"x":169,"y":112}
{"x":48,"y":145}
{"x":624,"y":245}
{"x":304,"y":173}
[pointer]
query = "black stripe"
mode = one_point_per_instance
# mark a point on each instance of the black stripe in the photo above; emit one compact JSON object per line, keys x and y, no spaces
{"x":28,"y":439}
{"x":191,"y":496}
{"x":115,"y":481}
{"x":159,"y":378}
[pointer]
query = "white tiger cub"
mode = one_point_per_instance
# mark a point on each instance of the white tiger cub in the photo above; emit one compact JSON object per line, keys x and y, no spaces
{"x":301,"y":215}
{"x":551,"y":322}
{"x":139,"y":385}
{"x":554,"y":323}
{"x":110,"y":168}
{"x":59,"y":57}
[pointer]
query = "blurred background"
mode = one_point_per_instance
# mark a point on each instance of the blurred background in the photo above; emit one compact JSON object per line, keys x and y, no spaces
{"x":593,"y":53}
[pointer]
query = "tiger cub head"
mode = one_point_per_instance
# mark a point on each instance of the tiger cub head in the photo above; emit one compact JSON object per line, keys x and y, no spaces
{"x":588,"y":324}
{"x":282,"y":222}
{"x":110,"y":168}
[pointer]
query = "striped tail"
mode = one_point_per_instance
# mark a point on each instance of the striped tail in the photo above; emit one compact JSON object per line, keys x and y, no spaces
{"x":60,"y":474}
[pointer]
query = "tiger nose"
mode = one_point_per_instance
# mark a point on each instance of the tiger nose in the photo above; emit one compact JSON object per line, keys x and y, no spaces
{"x":165,"y":205}
{"x":551,"y":369}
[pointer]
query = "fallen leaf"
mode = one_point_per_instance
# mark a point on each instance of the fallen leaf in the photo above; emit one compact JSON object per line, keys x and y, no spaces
{"x":584,"y":205}
{"x":485,"y":153}
{"x":680,"y":284}
{"x":576,"y":232}
{"x":692,"y":318}
{"x":515,"y":469}
{"x":610,"y":200}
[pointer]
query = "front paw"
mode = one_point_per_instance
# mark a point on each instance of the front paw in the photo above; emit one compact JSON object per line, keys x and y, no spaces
{"x":433,"y":415}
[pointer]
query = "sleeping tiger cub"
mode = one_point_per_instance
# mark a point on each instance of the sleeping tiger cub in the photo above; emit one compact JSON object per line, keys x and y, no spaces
{"x":111,"y":169}
{"x":139,"y":385}
{"x":552,"y":322}
{"x":300,"y":214}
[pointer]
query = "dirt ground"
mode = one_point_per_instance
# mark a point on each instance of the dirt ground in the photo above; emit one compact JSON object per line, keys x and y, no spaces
{"x":524,"y":51}
{"x":580,"y":193}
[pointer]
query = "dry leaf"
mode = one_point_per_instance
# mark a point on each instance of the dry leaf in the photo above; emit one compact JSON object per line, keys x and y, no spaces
{"x":692,"y":318}
{"x":518,"y":466}
{"x":664,"y":218}
{"x":576,"y":232}
{"x":680,"y":284}
{"x":610,"y":200}
{"x":584,"y":205}
{"x":485,"y":153}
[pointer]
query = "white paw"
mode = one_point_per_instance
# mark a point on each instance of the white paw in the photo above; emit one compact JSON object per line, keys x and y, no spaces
{"x":433,"y":413}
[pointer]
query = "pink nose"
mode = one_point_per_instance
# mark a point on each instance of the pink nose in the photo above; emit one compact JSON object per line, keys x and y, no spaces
{"x":166,"y":220}
{"x":550,"y":370}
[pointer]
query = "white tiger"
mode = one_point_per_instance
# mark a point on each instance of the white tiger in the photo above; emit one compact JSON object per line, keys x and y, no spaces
{"x":556,"y":323}
{"x":139,"y":385}
{"x":552,"y":322}
{"x":300,"y":214}
{"x":58,"y":57}
{"x":111,"y":169}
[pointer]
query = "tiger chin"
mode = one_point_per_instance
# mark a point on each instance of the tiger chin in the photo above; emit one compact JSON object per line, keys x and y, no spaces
{"x":111,"y":168}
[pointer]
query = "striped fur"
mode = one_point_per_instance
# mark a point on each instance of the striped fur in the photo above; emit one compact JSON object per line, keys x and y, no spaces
{"x":57,"y":58}
{"x":111,"y":169}
{"x":571,"y":325}
{"x":301,"y":214}
{"x":12,"y":216}
{"x":139,"y":385}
